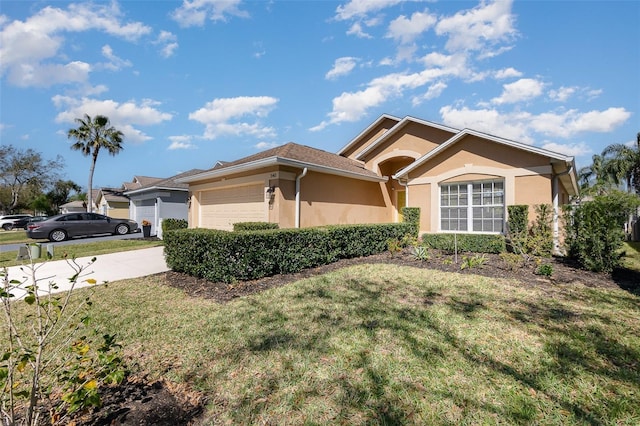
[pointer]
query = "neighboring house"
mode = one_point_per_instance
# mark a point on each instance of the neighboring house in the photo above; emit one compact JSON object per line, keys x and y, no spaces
{"x":73,"y":207}
{"x":112,"y":202}
{"x":462,"y":181}
{"x":155,"y":199}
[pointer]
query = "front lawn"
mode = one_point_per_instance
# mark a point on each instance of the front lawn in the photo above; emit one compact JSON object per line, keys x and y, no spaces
{"x":388,"y":344}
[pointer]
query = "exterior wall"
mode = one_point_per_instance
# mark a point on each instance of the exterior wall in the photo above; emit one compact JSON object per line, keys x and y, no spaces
{"x":117,"y":210}
{"x":328,"y":199}
{"x":533,"y":190}
{"x":369,"y":137}
{"x":420,"y":196}
{"x":413,"y":140}
{"x":526,"y":176}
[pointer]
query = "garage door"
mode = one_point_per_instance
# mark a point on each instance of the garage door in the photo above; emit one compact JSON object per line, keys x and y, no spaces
{"x":221,"y":208}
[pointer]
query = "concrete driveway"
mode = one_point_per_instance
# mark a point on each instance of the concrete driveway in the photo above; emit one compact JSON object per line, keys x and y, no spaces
{"x":107,"y":268}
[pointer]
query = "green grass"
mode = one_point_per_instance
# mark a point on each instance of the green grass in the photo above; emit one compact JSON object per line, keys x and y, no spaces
{"x":384,"y":344}
{"x":14,"y":237}
{"x":632,"y":255}
{"x":8,"y":258}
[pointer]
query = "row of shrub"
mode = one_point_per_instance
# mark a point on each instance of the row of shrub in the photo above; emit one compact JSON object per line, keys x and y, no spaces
{"x":475,"y":243}
{"x":251,"y":254}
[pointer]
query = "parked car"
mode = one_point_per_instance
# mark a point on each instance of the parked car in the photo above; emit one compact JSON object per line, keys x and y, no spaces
{"x":22,"y":223}
{"x":6,"y":222}
{"x":70,"y":225}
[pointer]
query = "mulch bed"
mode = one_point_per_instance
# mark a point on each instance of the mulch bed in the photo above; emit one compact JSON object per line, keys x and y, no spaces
{"x":563,"y":273}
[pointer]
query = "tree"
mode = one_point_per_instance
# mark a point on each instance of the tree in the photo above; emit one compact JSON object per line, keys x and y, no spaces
{"x":91,"y":136}
{"x":24,"y":173}
{"x":594,"y":179}
{"x":61,"y":193}
{"x":622,"y":164}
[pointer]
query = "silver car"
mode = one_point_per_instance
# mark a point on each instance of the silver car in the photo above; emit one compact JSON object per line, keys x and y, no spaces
{"x":64,"y":226}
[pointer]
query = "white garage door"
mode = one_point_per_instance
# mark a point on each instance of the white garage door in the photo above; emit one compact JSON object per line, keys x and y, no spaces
{"x":221,"y":208}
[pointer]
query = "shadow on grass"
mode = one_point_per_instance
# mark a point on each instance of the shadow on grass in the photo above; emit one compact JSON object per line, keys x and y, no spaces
{"x":365,"y":389}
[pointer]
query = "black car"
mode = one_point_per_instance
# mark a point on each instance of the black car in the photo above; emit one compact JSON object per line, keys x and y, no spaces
{"x":22,"y":223}
{"x":64,"y":226}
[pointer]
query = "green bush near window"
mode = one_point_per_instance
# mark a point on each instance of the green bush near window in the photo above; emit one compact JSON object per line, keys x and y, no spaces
{"x":474,"y":243}
{"x":254,"y":226}
{"x":238,"y":256}
{"x":171,"y":224}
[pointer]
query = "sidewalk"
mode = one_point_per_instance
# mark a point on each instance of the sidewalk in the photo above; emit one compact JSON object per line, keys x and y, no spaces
{"x":107,"y":268}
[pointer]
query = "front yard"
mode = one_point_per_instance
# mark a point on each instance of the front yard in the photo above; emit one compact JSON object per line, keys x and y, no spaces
{"x":387,"y":344}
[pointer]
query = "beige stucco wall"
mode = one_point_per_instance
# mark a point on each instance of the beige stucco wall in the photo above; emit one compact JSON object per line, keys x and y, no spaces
{"x":373,"y":134}
{"x":526,"y":176}
{"x":329,"y":199}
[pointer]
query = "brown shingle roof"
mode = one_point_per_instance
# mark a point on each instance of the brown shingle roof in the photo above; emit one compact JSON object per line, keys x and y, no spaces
{"x":168,"y":183}
{"x":303,"y":154}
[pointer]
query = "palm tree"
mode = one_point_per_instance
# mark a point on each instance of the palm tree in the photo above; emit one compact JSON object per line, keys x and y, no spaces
{"x":594,"y":179}
{"x":90,"y":136}
{"x":623,"y":164}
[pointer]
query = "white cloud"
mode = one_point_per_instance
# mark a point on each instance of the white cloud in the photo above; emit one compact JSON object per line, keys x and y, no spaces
{"x":195,"y":12}
{"x":181,"y":142}
{"x":356,"y":30}
{"x":487,"y":24}
{"x":266,"y":145}
{"x":572,"y":122}
{"x":123,"y":116}
{"x":434,"y":91}
{"x":572,"y":149}
{"x":521,"y":90}
{"x":115,"y":63}
{"x":522,"y":126}
{"x":351,"y":106}
{"x":341,"y":66}
{"x":507,"y":73}
{"x":406,"y":30}
{"x":31,"y":49}
{"x":510,"y":125}
{"x":168,"y":43}
{"x":217,"y":116}
{"x":562,"y":94}
{"x":361,"y":8}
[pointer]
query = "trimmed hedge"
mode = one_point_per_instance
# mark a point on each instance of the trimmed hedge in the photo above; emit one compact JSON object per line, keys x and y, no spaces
{"x":171,"y":224}
{"x":254,"y":226}
{"x":239,"y":256}
{"x":475,"y":243}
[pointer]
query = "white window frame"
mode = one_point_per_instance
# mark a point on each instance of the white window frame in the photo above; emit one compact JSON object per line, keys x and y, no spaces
{"x":462,"y":198}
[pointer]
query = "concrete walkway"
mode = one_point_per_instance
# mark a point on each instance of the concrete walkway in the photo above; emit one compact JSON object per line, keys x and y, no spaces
{"x":106,"y":268}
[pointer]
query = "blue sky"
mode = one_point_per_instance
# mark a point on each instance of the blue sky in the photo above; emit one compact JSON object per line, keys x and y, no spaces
{"x":197,"y":81}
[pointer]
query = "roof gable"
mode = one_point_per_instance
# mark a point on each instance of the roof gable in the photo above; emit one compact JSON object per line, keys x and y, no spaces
{"x":402,"y":124}
{"x":170,"y":183}
{"x":360,"y":138}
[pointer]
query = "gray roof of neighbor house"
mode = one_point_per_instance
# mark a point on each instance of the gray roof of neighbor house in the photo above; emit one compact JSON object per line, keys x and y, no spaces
{"x":169,"y":183}
{"x":115,"y":195}
{"x":139,"y":182}
{"x":292,"y":154}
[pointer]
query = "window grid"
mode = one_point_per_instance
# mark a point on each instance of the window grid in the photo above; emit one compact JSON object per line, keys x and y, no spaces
{"x":473,"y":206}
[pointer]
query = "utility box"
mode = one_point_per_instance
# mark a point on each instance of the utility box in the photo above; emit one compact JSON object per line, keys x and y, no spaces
{"x":35,"y":250}
{"x":50,"y":251}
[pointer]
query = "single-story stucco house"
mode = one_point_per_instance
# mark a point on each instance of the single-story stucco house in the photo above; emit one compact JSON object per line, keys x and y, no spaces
{"x":112,"y":202}
{"x":155,"y":199}
{"x":462,"y":181}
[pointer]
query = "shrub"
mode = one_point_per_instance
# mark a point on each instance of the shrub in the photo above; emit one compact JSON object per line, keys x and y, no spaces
{"x":517,"y":227}
{"x":540,"y":238}
{"x":545,"y":269}
{"x":237,"y":256}
{"x":475,"y":243}
{"x":594,"y":230}
{"x":475,"y":261}
{"x":171,"y":224}
{"x":254,"y":226}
